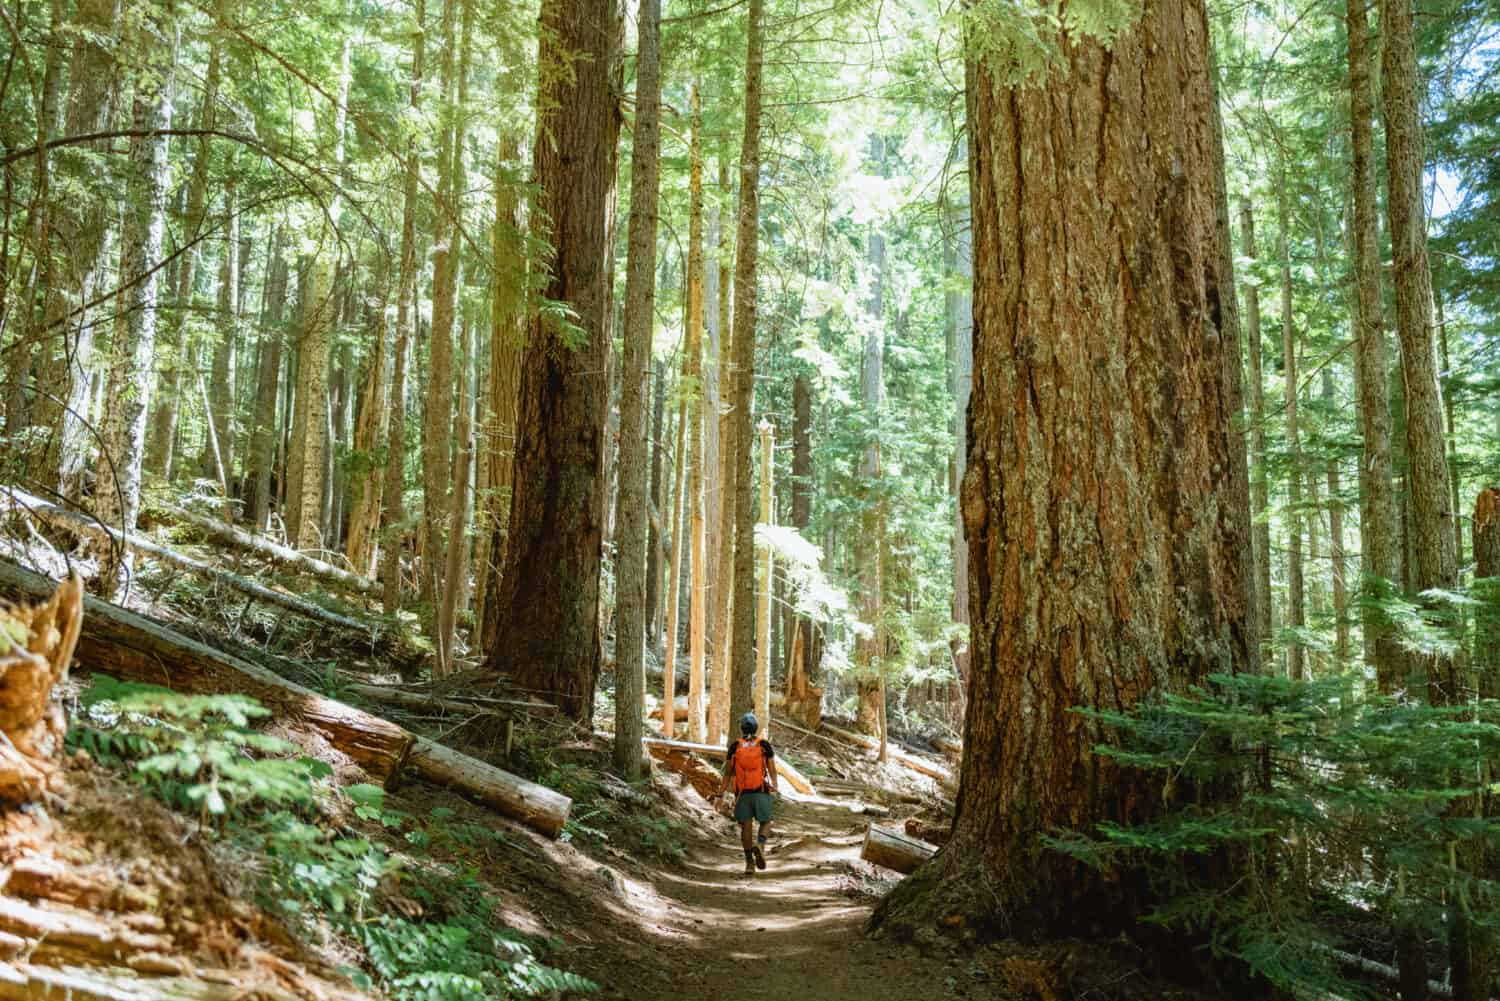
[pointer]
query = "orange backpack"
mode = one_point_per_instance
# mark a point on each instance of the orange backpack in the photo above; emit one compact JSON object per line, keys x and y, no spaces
{"x":749,"y":765}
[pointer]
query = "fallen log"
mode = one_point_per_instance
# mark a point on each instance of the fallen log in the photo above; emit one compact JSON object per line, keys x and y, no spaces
{"x":937,"y":834}
{"x":136,"y":648}
{"x":130,"y":646}
{"x":950,"y":746}
{"x":844,"y":787}
{"x":892,"y":850}
{"x":536,"y":806}
{"x":74,"y":522}
{"x":895,"y":754}
{"x":700,"y":776}
{"x":784,"y":768}
{"x":418,"y":700}
{"x":235,"y":538}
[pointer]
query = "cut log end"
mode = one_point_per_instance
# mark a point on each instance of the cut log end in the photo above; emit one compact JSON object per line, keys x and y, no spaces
{"x":894,"y":850}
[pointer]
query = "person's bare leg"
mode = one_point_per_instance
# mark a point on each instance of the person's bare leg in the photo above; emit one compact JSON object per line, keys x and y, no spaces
{"x":747,"y":839}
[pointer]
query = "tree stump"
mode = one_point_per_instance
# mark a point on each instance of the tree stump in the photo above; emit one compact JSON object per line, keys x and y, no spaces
{"x":36,"y":646}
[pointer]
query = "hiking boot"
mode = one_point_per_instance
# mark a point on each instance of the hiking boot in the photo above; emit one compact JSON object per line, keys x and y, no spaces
{"x":749,"y":868}
{"x":760,"y":857}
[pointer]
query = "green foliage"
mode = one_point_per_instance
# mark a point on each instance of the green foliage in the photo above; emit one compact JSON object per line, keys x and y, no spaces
{"x":199,"y":753}
{"x":1322,"y":795}
{"x":194,"y":751}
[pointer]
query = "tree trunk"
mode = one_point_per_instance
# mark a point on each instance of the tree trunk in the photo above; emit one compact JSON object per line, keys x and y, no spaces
{"x":657,"y":492}
{"x":310,"y":439}
{"x":263,"y":434}
{"x":437,"y":424}
{"x":455,"y":575}
{"x":1296,"y":603}
{"x":635,"y":368}
{"x":718,"y":696}
{"x":1135,"y":501}
{"x":746,"y":258}
{"x":367,"y":479}
{"x":804,"y":699}
{"x":82,"y":226}
{"x":1260,"y":476}
{"x":1435,"y":558}
{"x":763,"y":611}
{"x":550,"y":621}
{"x":118,"y":492}
{"x":169,"y":394}
{"x":1380,"y":538}
{"x":507,"y":338}
{"x":393,"y":524}
{"x":869,"y":646}
{"x":222,"y":370}
{"x":1336,"y":541}
{"x":693,"y":463}
{"x":958,"y":308}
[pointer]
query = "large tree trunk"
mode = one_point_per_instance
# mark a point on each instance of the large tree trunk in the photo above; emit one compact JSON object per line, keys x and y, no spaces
{"x":118,"y":492}
{"x":549,"y":620}
{"x":1336,"y":539}
{"x":1295,"y":601}
{"x":746,"y":258}
{"x":1436,"y":559}
{"x":635,"y":368}
{"x":763,"y":595}
{"x":393,"y":524}
{"x":958,"y":308}
{"x":1096,"y":251}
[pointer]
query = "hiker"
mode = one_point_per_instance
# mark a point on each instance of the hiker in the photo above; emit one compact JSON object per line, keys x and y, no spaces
{"x":751,"y":765}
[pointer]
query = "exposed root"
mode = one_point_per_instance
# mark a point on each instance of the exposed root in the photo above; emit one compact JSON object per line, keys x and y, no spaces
{"x":36,"y":646}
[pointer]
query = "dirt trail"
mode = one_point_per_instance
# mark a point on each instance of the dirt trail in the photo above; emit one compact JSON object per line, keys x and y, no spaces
{"x":791,"y":933}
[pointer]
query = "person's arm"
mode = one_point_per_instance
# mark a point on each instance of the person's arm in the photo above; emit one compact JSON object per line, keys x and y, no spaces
{"x":728,"y":772}
{"x":771,"y":765}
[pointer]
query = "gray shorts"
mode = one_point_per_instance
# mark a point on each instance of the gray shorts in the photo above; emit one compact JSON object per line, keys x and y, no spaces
{"x":753,"y":806}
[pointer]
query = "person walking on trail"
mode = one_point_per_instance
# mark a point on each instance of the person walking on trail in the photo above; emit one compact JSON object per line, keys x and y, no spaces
{"x":750,"y":766}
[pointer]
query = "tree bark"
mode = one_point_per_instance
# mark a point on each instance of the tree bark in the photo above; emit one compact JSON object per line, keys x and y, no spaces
{"x":718,"y":696}
{"x":763,"y":595}
{"x":437,"y":424}
{"x":118,"y":492}
{"x":1096,"y":251}
{"x":169,"y":398}
{"x":869,"y":646}
{"x":1380,"y":537}
{"x":635,"y":368}
{"x":1260,"y":476}
{"x":697,"y":463}
{"x":746,"y":259}
{"x":550,"y":620}
{"x":1435,"y":558}
{"x":82,"y":226}
{"x":958,"y":308}
{"x":1296,"y":603}
{"x":263,"y":433}
{"x":222,"y":368}
{"x":393,"y":524}
{"x":507,"y":338}
{"x":657,"y":493}
{"x":455,"y":573}
{"x":1336,"y":540}
{"x":367,"y":480}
